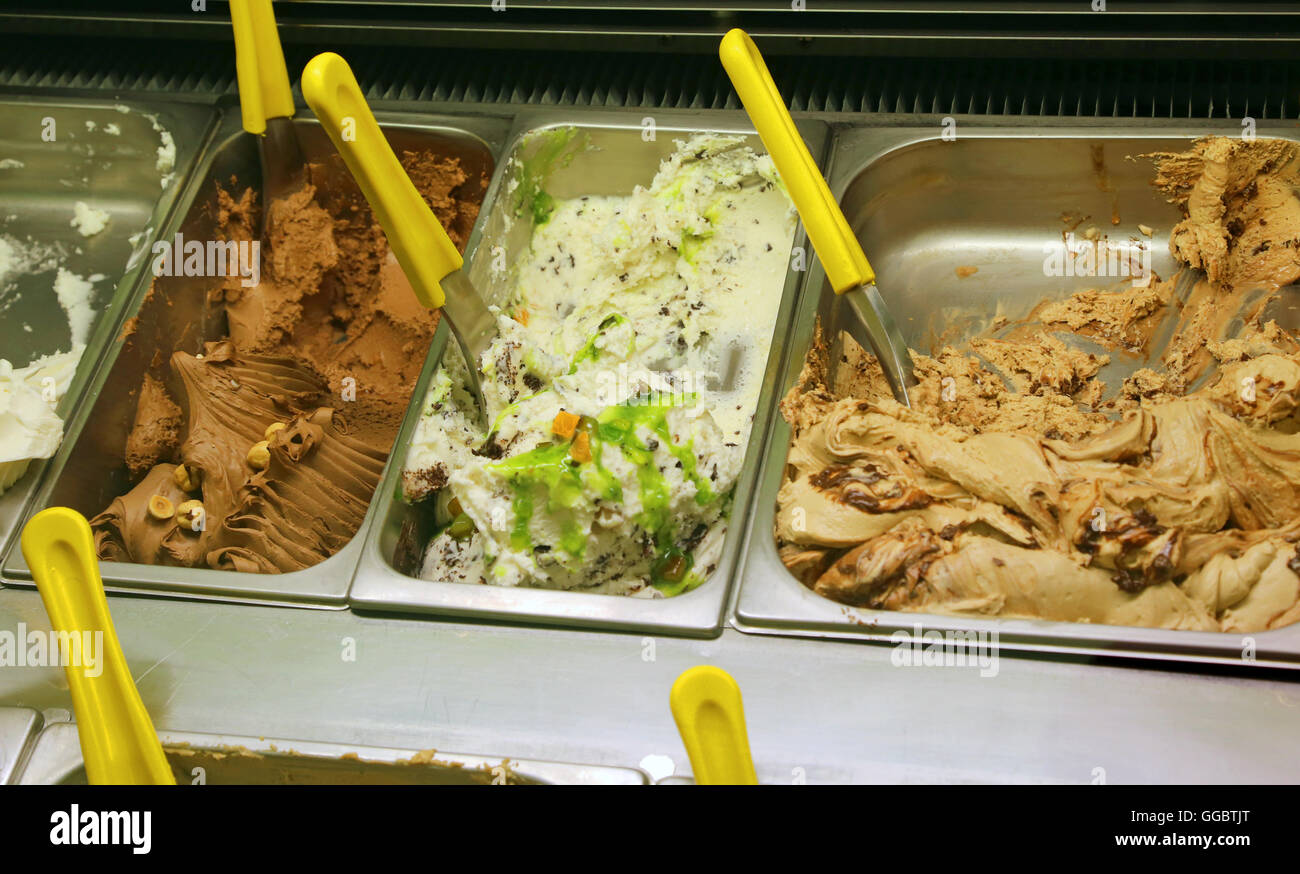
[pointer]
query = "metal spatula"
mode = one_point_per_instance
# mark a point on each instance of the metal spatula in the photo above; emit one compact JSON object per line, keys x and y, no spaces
{"x":266,"y":101}
{"x":1285,"y":308}
{"x":838,"y":248}
{"x":426,"y":253}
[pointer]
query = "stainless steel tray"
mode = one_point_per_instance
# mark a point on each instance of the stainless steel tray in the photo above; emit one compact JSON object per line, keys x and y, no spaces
{"x":621,"y":159}
{"x":113,"y":172}
{"x":88,"y":471}
{"x":225,"y":759}
{"x":17,"y":727}
{"x":923,"y":207}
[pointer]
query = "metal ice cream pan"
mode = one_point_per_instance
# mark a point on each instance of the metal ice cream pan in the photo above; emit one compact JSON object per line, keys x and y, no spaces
{"x":56,"y":152}
{"x":214,"y":760}
{"x":18,"y":725}
{"x":924,"y":206}
{"x":89,"y":472}
{"x":621,"y":151}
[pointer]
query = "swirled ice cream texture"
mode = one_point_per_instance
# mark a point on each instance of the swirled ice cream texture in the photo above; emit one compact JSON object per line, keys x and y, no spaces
{"x":1010,"y":489}
{"x":305,"y":504}
{"x":326,"y":348}
{"x":646,"y":318}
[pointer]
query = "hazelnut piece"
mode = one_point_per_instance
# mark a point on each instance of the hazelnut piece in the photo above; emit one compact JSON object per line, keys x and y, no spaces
{"x":259,"y":456}
{"x":186,"y":478}
{"x":190,"y":515}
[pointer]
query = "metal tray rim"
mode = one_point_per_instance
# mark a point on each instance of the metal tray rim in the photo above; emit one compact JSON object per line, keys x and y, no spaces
{"x":63,"y":738}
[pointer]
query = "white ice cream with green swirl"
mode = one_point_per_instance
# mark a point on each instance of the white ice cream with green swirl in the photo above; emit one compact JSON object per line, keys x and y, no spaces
{"x":650,"y":316}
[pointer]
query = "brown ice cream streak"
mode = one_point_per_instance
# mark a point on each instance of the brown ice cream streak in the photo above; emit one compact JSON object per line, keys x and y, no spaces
{"x":1012,"y":489}
{"x":281,"y":430}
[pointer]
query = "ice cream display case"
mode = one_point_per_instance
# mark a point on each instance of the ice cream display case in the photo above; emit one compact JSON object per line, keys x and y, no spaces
{"x":326,"y":566}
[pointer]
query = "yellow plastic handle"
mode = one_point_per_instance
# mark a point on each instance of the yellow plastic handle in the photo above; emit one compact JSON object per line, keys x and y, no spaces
{"x":416,"y":236}
{"x":837,"y":247}
{"x":118,"y":740}
{"x":711,"y":720}
{"x":264,"y":90}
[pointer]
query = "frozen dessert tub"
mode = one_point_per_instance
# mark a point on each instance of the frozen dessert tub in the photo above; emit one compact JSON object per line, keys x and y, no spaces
{"x":54,"y":154}
{"x":619,"y":151}
{"x":226,"y":760}
{"x":89,"y":471}
{"x":927,"y":210}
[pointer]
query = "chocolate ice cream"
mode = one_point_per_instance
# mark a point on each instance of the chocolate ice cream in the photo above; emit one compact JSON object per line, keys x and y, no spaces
{"x":1017,"y":486}
{"x":267,"y":459}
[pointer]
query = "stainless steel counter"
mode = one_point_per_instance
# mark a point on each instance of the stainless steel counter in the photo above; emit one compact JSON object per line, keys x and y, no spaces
{"x":817,"y":710}
{"x":18,"y":727}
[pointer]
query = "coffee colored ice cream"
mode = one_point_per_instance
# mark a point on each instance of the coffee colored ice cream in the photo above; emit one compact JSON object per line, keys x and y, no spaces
{"x":1018,"y":485}
{"x":280,"y":431}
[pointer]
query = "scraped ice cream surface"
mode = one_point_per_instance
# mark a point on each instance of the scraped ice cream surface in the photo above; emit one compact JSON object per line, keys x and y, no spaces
{"x":621,"y":389}
{"x":261,"y":451}
{"x":1018,"y":485}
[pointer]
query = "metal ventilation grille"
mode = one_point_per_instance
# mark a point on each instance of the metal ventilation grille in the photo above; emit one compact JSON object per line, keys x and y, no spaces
{"x":116,"y":65}
{"x":1072,"y":88}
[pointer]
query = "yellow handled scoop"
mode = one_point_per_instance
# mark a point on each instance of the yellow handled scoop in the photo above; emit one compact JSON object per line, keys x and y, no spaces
{"x":118,"y":741}
{"x":841,"y":255}
{"x":426,"y":253}
{"x":266,"y":101}
{"x":711,"y":720}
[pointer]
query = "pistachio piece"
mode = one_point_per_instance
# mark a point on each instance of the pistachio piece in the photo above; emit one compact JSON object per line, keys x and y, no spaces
{"x":259,"y":456}
{"x":190,"y":515}
{"x":160,"y":508}
{"x":461,"y":527}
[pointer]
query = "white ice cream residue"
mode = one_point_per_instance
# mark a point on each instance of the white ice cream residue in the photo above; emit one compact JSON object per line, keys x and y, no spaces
{"x":87,"y":219}
{"x":29,"y":425}
{"x":74,"y":294}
